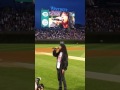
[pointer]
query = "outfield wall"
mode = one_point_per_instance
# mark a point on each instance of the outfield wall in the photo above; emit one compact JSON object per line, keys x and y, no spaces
{"x":17,"y":37}
{"x":29,"y":37}
{"x":58,"y":41}
{"x":108,"y":37}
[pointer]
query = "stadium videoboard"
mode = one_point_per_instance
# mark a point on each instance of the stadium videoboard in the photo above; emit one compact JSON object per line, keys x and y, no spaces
{"x":59,"y":19}
{"x":73,"y":10}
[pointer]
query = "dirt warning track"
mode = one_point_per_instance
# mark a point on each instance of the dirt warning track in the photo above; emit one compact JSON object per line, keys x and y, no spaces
{"x":17,"y":56}
{"x":98,"y":53}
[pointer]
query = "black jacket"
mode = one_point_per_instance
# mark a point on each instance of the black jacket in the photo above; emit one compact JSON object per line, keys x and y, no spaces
{"x":64,"y":61}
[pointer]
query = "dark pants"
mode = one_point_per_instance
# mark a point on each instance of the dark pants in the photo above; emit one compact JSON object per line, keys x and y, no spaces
{"x":61,"y":78}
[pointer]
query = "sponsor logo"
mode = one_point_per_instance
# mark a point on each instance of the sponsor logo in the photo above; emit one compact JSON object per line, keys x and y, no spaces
{"x":45,"y":14}
{"x":44,"y":22}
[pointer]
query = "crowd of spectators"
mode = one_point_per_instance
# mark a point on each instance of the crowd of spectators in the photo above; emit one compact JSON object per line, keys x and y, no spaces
{"x":50,"y":34}
{"x":12,"y":19}
{"x":22,"y":19}
{"x":99,"y":19}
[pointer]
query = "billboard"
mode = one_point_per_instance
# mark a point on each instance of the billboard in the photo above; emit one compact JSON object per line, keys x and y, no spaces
{"x":60,"y":19}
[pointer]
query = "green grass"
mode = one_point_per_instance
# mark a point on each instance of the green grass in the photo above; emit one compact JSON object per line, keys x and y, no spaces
{"x":103,"y":64}
{"x":93,"y":84}
{"x":109,"y":65}
{"x":77,"y":53}
{"x":45,"y":67}
{"x":16,"y":79}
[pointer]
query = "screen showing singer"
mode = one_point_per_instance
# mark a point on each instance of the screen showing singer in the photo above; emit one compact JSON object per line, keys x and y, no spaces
{"x":59,"y":19}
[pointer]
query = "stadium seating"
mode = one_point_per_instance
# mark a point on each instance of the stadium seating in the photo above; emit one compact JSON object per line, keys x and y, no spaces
{"x":102,"y":19}
{"x":52,"y":34}
{"x":16,"y":19}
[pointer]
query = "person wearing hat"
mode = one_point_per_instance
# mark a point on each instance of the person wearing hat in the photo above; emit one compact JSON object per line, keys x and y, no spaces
{"x":62,"y":63}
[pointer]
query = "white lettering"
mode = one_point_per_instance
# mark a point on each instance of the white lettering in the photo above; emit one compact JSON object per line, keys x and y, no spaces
{"x":58,"y":9}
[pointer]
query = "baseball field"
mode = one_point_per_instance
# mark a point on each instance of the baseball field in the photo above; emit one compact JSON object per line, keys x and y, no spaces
{"x":102,"y":66}
{"x":45,"y":66}
{"x":16,"y":67}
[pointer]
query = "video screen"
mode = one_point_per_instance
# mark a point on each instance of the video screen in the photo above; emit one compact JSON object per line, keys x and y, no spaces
{"x":57,"y":19}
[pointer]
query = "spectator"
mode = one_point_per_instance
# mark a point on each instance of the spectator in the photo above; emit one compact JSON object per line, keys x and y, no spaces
{"x":76,"y":34}
{"x":16,"y":19}
{"x":99,"y":19}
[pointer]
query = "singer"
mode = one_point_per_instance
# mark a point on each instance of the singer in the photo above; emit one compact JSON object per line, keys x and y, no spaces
{"x":61,"y":65}
{"x":64,"y":16}
{"x":62,"y":21}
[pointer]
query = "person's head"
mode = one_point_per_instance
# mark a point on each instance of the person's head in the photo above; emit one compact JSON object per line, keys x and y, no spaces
{"x":62,"y":48}
{"x":64,"y":16}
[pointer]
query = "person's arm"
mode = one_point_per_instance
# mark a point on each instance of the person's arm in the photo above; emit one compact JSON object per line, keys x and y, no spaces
{"x":55,"y":54}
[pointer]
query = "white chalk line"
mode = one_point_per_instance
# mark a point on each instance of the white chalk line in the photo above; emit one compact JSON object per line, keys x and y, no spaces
{"x":103,"y":76}
{"x":70,"y":57}
{"x":17,"y":64}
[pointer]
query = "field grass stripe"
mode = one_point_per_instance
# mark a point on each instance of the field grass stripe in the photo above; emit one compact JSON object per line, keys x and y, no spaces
{"x":103,"y":76}
{"x":17,"y":64}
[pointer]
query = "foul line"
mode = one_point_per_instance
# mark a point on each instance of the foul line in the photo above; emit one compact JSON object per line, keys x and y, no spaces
{"x":103,"y":76}
{"x":70,"y":57}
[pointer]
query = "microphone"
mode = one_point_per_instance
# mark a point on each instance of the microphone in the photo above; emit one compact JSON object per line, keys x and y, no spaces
{"x":58,"y":19}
